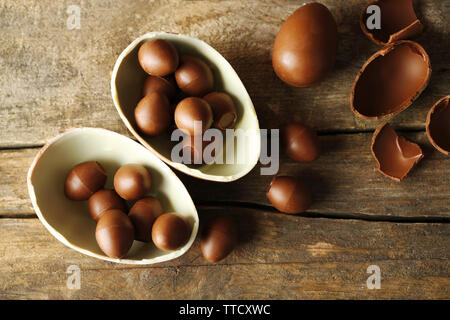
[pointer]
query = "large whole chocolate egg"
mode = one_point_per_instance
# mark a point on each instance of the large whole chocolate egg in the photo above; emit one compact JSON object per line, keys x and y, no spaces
{"x":306,"y":45}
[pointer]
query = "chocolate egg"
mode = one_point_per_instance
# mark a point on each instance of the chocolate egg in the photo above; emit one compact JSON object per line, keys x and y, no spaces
{"x":289,"y":194}
{"x":194,"y":77}
{"x":132,"y":181}
{"x":218,"y":239}
{"x":395,"y":155}
{"x":390,"y":80}
{"x":165,"y":85}
{"x":398,"y":21}
{"x":300,"y":142}
{"x":142,"y":214}
{"x":438,"y":125}
{"x":305,"y":48}
{"x":158,"y":57}
{"x":104,"y":200}
{"x":223,"y":109}
{"x":114,"y":233}
{"x":170,"y":232}
{"x":153,"y":114}
{"x":84,"y":180}
{"x":193,"y":111}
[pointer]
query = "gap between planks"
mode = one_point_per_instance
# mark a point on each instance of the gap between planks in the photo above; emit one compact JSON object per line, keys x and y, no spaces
{"x":205,"y":205}
{"x":319,"y":132}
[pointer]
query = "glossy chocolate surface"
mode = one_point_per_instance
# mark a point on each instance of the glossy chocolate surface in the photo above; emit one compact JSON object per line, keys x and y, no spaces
{"x":300,"y":142}
{"x":132,"y":181}
{"x":218,"y":238}
{"x":190,"y":110}
{"x":114,"y":233}
{"x":142,"y":214}
{"x":390,"y":80}
{"x":289,"y":194}
{"x":223,"y":108}
{"x":164,"y":85}
{"x":395,"y":155}
{"x":104,"y":200}
{"x":194,"y":77}
{"x":153,"y":114}
{"x":305,"y":48}
{"x":84,"y":180}
{"x":398,"y":21}
{"x":158,"y":57}
{"x":170,"y":232}
{"x":438,"y":125}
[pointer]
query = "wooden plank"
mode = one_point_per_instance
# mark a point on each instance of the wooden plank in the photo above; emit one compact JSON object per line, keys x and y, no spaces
{"x":279,"y":256}
{"x":344,"y":181}
{"x":54,"y":78}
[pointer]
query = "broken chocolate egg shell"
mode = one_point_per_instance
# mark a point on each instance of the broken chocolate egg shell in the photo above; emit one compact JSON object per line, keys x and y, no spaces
{"x":395,"y":155}
{"x":70,"y":222}
{"x":126,"y":85}
{"x":438,"y":125}
{"x":390,"y":80}
{"x":398,"y":21}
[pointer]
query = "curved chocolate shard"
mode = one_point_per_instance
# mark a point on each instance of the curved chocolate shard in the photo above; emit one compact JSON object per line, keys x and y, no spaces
{"x":438,"y":125}
{"x":395,"y":155}
{"x":390,"y":80}
{"x":398,"y":21}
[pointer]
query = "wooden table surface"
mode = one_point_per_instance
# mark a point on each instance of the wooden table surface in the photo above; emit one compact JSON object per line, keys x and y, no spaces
{"x":53,"y":79}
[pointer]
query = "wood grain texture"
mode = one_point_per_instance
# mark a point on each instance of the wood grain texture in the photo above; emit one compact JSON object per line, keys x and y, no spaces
{"x":279,"y":257}
{"x":344,"y":181}
{"x":54,"y":78}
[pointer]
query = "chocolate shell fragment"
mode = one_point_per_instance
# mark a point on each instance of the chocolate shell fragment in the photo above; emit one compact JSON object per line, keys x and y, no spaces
{"x":398,"y":21}
{"x":438,"y":125}
{"x":390,"y":80}
{"x":395,"y":155}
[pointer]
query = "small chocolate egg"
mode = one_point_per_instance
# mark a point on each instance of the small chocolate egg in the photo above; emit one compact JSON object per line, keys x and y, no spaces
{"x":218,"y":239}
{"x":158,"y":57}
{"x":191,"y":112}
{"x":84,"y":180}
{"x":170,"y":232}
{"x":114,"y":233}
{"x":142,"y":214}
{"x":165,"y":85}
{"x":132,"y":181}
{"x":289,"y":194}
{"x":104,"y":200}
{"x":223,"y":108}
{"x":300,"y":142}
{"x":305,"y":48}
{"x":153,"y":114}
{"x":194,"y":77}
